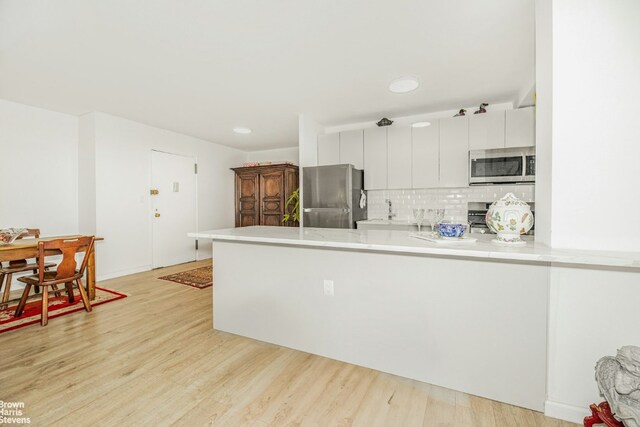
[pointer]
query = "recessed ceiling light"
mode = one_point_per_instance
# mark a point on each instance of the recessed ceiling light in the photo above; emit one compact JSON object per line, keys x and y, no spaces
{"x":242,"y":130}
{"x":420,"y":124}
{"x":403,"y":85}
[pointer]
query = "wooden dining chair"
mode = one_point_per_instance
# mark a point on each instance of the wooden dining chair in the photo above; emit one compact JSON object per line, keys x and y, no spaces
{"x":66,"y":272}
{"x":19,"y":266}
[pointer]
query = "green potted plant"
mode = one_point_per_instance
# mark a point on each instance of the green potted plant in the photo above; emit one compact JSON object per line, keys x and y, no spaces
{"x":292,"y":208}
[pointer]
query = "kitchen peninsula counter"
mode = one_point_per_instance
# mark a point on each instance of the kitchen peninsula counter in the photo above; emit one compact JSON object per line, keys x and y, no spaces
{"x":401,"y":242}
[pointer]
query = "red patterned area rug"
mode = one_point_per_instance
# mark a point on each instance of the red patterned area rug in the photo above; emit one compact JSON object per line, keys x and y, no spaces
{"x":200,"y":278}
{"x":58,"y":306}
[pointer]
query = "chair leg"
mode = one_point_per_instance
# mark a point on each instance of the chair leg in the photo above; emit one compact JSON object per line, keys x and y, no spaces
{"x":23,"y":301}
{"x":7,"y":289}
{"x":44,"y":319}
{"x":36,"y":289}
{"x":69,"y":286}
{"x":83,"y":295}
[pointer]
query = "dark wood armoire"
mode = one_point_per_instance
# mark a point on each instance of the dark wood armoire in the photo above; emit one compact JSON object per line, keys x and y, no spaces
{"x":261,"y":194}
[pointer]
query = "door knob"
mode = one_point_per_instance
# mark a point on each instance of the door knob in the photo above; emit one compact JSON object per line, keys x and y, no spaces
{"x":157,"y":215}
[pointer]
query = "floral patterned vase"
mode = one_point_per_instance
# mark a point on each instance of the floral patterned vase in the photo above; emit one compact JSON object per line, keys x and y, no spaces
{"x":509,"y":217}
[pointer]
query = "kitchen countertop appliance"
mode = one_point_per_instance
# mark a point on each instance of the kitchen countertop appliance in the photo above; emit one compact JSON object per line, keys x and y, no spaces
{"x":333,"y":196}
{"x":476,"y":215}
{"x":502,"y":166}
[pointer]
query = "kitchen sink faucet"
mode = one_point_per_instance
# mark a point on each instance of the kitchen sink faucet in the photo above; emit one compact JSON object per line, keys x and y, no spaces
{"x":390,"y":214}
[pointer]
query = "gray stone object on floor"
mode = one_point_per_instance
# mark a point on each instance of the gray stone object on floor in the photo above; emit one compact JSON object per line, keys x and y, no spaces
{"x":618,"y":379}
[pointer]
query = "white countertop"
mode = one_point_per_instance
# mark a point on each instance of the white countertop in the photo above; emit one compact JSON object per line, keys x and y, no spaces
{"x":401,"y":242}
{"x":382,"y":221}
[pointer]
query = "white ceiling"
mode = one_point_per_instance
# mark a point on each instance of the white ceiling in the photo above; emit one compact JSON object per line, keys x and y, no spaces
{"x":202,"y":67}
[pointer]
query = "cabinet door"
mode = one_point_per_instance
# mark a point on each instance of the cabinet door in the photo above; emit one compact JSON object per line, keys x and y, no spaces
{"x":352,"y":148}
{"x":329,"y":149}
{"x":271,"y":198}
{"x":520,"y":128}
{"x":375,"y":158}
{"x":486,"y":130}
{"x":454,"y":152}
{"x":247,"y":194}
{"x":426,"y":156}
{"x":398,"y":157}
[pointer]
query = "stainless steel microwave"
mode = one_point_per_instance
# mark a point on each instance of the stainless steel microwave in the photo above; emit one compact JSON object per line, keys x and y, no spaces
{"x":502,"y":166}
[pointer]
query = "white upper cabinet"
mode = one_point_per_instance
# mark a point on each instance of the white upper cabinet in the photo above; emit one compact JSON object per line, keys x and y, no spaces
{"x":520,"y":129}
{"x":399,"y":157}
{"x":426,"y":156}
{"x":454,"y":152}
{"x":375,"y":158}
{"x":352,"y":148}
{"x":329,"y":149}
{"x":486,"y":130}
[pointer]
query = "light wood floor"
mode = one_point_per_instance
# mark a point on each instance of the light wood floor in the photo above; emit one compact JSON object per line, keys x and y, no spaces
{"x":154,"y":359}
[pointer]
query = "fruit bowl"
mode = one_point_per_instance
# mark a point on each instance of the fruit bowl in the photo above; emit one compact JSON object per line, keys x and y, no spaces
{"x":8,"y":235}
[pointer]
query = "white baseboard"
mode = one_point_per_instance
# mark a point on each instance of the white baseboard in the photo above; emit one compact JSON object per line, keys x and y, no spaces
{"x":121,"y":273}
{"x":565,"y":412}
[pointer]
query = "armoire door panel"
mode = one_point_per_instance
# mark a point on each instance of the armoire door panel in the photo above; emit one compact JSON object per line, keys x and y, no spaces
{"x":271,"y":195}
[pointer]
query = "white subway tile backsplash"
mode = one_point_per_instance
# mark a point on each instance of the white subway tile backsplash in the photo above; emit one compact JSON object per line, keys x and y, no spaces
{"x":453,"y":200}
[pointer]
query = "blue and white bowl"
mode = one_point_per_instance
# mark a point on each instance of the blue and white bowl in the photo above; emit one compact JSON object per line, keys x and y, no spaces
{"x":446,"y":229}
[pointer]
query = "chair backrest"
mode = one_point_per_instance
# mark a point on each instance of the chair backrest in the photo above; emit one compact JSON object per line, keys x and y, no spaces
{"x":69,"y":248}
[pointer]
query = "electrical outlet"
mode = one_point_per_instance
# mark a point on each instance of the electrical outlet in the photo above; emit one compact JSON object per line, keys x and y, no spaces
{"x":328,"y":288}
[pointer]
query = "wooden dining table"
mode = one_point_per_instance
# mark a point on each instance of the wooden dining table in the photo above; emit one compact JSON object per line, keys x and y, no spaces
{"x":28,"y":248}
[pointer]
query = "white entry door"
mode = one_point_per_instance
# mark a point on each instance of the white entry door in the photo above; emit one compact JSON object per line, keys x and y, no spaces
{"x":173,"y":208}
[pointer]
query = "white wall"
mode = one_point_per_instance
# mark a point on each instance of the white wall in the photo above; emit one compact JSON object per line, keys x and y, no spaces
{"x":588,"y":63}
{"x":87,"y":175}
{"x":123,"y":155}
{"x":596,"y":131}
{"x":39,"y":172}
{"x":308,"y":130}
{"x":277,"y":155}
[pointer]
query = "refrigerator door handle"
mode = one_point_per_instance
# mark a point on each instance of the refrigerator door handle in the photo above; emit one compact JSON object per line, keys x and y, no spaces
{"x":345,"y":210}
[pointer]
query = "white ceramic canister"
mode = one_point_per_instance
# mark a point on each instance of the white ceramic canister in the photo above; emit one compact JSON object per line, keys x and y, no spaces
{"x":509,"y":217}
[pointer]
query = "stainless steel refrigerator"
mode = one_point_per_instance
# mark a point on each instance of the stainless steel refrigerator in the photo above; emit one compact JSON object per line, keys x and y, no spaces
{"x":331,"y":196}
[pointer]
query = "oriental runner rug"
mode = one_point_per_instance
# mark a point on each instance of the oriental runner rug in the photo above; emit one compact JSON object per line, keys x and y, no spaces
{"x":200,"y":278}
{"x":58,"y":306}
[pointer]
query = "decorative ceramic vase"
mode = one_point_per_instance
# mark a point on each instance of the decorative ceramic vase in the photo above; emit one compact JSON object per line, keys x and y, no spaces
{"x":509,"y":217}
